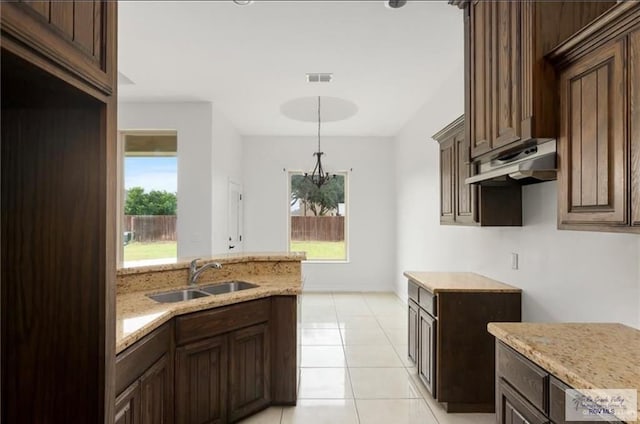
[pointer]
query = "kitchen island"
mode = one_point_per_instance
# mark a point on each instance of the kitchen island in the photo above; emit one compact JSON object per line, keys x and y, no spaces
{"x":448,"y":313}
{"x":537,"y":363}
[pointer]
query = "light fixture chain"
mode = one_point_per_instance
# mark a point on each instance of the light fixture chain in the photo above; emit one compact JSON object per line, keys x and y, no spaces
{"x":319,"y":124}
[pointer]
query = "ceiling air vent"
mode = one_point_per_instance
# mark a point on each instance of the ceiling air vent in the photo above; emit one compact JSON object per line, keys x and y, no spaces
{"x":320,"y":77}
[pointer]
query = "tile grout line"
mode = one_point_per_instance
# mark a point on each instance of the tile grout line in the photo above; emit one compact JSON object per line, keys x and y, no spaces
{"x":344,"y":350}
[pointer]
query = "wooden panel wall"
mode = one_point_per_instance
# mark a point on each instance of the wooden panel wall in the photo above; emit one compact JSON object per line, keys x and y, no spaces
{"x":54,"y":234}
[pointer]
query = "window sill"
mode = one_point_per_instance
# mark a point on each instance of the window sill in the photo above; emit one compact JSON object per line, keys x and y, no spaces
{"x":325,"y":262}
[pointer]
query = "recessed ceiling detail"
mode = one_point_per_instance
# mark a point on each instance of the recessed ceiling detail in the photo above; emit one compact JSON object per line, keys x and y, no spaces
{"x":249,"y":60}
{"x":305,"y":109}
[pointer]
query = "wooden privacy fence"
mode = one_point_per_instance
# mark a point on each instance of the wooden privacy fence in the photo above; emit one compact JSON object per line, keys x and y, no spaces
{"x":317,"y":228}
{"x":148,"y":228}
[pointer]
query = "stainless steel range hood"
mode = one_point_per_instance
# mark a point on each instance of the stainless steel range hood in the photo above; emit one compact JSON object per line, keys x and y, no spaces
{"x":533,"y":163}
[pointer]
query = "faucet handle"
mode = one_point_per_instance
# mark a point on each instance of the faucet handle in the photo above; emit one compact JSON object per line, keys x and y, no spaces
{"x":193,"y":265}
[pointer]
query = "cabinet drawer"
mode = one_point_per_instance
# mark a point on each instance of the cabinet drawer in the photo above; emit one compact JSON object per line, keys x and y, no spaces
{"x":201,"y":325}
{"x":527,"y":378}
{"x":513,"y":408}
{"x":428,"y":301}
{"x":413,"y":291}
{"x":133,"y":361}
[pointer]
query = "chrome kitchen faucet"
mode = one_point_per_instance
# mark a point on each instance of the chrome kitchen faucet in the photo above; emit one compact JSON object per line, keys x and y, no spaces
{"x":194,"y":271}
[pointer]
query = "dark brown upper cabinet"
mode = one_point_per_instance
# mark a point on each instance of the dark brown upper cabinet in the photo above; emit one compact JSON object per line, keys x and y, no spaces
{"x":598,"y":156}
{"x":466,"y":204}
{"x":79,"y":36}
{"x":456,"y":197}
{"x":511,"y":94}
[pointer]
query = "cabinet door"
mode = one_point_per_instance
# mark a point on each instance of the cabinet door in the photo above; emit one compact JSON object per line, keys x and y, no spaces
{"x":447,"y":181}
{"x":156,"y":393}
{"x":201,"y":382}
{"x":511,"y":408}
{"x":480,"y":53}
{"x":249,"y":367}
{"x":427,"y":351}
{"x":78,"y":35}
{"x":592,"y":164}
{"x":128,"y":405}
{"x":634,"y":124}
{"x":506,"y":73}
{"x":464,"y":193}
{"x":413,"y":312}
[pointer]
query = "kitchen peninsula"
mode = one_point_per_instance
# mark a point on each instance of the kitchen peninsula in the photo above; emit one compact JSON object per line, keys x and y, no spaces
{"x":210,"y":358}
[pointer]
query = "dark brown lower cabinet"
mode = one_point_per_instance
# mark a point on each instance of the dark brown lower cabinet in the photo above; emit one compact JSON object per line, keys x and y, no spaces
{"x":229,"y":363}
{"x":156,"y":393}
{"x":526,"y":393}
{"x":148,"y":400}
{"x":202,"y":381}
{"x":223,"y":378}
{"x":128,"y":405}
{"x":455,"y":355}
{"x":144,"y":380}
{"x":413,"y":312}
{"x":427,"y":351}
{"x":250,"y":379}
{"x":235,"y":360}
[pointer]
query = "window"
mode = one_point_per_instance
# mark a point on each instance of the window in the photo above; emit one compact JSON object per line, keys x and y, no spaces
{"x":149,"y":198}
{"x":318,"y":218}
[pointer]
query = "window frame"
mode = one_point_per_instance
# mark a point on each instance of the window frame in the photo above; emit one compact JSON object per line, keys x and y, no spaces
{"x":347,"y":212}
{"x":120,"y":189}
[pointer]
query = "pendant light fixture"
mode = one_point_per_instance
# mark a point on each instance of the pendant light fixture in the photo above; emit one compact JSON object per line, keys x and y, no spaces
{"x":318,"y":177}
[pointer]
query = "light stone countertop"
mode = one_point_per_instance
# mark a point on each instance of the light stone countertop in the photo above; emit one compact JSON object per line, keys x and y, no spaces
{"x":228,"y":258}
{"x":137,"y":315}
{"x":436,"y":282}
{"x":583,"y":355}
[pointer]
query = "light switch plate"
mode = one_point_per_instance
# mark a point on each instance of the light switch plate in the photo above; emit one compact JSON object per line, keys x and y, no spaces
{"x":514,"y":260}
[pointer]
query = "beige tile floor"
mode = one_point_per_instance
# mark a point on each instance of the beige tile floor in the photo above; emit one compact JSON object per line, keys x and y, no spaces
{"x":354,"y":367}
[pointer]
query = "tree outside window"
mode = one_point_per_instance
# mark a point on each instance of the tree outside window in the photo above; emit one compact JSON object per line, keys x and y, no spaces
{"x":317,"y":218}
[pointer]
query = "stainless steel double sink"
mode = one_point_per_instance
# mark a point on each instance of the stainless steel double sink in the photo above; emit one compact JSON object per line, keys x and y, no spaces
{"x":204,"y":291}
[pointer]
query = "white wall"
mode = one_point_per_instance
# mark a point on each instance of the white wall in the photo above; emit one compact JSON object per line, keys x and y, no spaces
{"x":226,"y":163}
{"x":371,"y":213}
{"x":209,"y":153}
{"x":565,"y":275}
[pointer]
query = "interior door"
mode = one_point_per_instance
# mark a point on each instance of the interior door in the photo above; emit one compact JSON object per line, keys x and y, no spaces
{"x":235,"y":217}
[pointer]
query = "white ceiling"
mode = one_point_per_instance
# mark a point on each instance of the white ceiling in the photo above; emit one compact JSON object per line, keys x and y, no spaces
{"x":249,"y":60}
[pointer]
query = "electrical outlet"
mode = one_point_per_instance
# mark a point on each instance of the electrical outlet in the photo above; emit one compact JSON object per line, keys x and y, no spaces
{"x":514,"y":260}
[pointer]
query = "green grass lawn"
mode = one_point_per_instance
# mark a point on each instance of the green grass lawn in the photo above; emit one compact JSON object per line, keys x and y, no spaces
{"x":157,"y":250}
{"x":321,"y":250}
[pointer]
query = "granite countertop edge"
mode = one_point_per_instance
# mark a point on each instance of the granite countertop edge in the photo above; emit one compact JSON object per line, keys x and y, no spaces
{"x":546,"y":361}
{"x":543,"y":361}
{"x":466,"y":286}
{"x":163,"y":312}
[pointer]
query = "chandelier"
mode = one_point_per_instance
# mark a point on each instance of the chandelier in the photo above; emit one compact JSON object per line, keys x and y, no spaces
{"x":318,"y":177}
